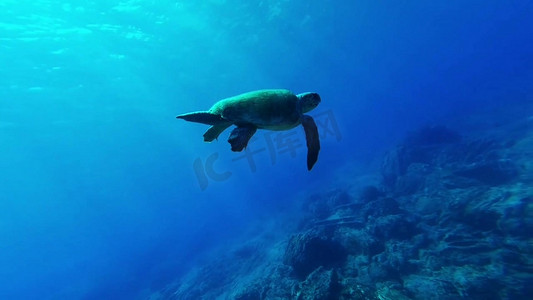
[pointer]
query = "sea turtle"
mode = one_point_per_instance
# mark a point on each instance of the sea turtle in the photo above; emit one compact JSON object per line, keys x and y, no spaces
{"x":264,"y":109}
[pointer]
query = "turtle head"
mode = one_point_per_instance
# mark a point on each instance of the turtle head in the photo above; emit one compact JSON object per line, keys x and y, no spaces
{"x":308,"y":101}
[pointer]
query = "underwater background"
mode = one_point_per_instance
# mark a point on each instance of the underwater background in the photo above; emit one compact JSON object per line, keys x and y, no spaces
{"x":422,"y":189}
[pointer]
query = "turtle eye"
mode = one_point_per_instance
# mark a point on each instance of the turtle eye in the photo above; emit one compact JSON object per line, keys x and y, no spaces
{"x":316,"y":98}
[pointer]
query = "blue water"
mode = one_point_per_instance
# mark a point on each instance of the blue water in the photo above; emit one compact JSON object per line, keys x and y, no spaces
{"x":101,"y":193}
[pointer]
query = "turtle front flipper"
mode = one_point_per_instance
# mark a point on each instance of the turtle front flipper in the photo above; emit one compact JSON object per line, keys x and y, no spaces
{"x":214,"y":131}
{"x":240,"y":136}
{"x":313,"y":142}
{"x":203,"y":117}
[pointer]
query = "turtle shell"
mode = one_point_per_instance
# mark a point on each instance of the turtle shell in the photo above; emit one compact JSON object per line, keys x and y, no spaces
{"x":266,"y":109}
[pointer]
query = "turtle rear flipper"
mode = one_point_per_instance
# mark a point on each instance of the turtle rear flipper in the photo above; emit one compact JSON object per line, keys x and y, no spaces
{"x":214,"y":131}
{"x":240,"y":136}
{"x":313,"y":142}
{"x":203,"y":117}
